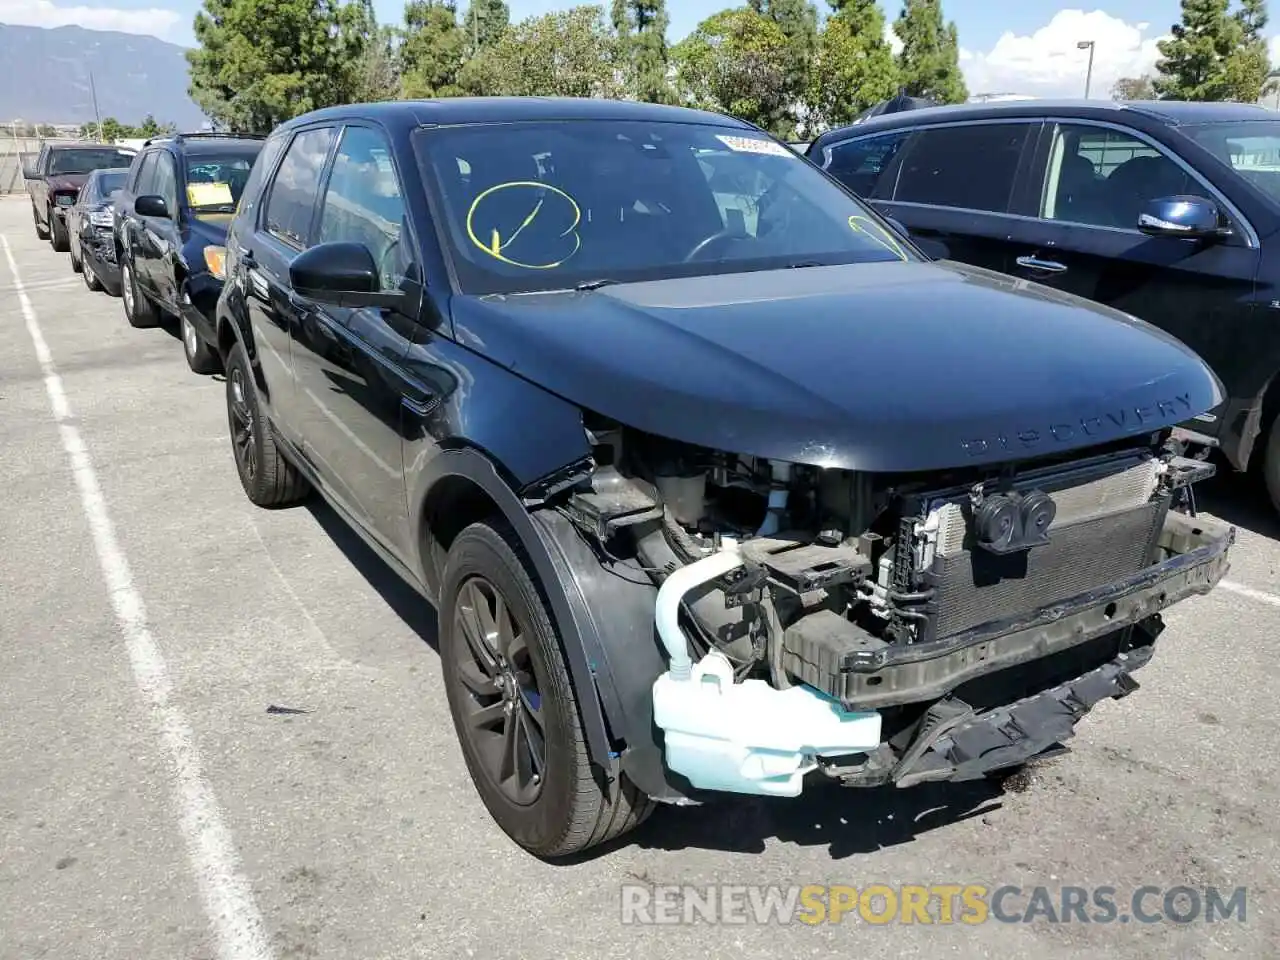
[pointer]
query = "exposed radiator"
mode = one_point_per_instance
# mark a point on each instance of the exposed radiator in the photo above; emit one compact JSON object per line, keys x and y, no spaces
{"x":1104,"y":531}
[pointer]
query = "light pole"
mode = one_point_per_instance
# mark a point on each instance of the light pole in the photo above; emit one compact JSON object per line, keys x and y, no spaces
{"x":1087,"y":45}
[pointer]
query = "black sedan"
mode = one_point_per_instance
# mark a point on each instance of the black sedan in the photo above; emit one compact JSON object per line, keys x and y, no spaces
{"x":93,"y":251}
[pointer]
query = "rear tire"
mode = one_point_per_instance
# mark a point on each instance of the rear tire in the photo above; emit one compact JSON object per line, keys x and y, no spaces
{"x":503,"y":668}
{"x":1271,"y":463}
{"x":200,"y":356}
{"x":269,"y":480}
{"x":138,"y":310}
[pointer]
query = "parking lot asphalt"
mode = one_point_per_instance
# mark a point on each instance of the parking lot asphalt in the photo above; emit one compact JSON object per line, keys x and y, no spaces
{"x":153,"y":807}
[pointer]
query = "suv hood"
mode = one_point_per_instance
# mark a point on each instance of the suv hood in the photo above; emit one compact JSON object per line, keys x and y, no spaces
{"x":875,"y":366}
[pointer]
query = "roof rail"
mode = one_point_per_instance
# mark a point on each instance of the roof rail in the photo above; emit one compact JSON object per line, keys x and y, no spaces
{"x":201,"y":134}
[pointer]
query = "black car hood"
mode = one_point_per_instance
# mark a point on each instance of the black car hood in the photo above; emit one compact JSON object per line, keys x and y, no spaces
{"x":878,"y":366}
{"x":66,"y":181}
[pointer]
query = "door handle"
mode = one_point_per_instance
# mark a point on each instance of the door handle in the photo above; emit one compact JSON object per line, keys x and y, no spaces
{"x":1035,"y":263}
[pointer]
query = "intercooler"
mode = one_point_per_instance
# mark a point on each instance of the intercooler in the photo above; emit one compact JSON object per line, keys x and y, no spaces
{"x":1105,"y":529}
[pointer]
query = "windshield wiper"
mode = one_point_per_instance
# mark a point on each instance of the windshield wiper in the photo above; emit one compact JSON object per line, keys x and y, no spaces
{"x":801,"y":264}
{"x":588,"y":285}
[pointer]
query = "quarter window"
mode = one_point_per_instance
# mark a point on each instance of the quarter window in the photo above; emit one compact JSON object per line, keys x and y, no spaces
{"x":1104,"y":177}
{"x":363,"y":203}
{"x":293,"y":192}
{"x":165,"y":184}
{"x":862,"y":165}
{"x":972,"y":166}
{"x":144,"y":185}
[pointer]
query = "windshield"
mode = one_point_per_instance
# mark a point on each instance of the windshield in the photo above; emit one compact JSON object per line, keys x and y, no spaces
{"x":1251,"y":148}
{"x":544,"y":206}
{"x":215,"y":181}
{"x":111,"y":182}
{"x":83,"y":160}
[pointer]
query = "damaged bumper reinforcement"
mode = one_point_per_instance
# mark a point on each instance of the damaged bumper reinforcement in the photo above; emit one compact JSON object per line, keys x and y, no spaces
{"x":752,"y":738}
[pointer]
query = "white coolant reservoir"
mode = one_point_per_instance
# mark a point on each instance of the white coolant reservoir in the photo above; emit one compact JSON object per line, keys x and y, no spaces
{"x":749,"y":737}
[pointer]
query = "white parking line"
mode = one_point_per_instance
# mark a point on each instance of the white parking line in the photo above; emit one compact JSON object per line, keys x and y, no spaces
{"x":1252,"y":594}
{"x":228,"y":898}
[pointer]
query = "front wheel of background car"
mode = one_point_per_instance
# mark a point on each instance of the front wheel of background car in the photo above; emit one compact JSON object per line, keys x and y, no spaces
{"x":138,"y":310}
{"x":513,"y":703}
{"x":57,"y":234}
{"x":90,"y":278}
{"x":76,"y":264}
{"x":1271,"y":463}
{"x":269,"y":480}
{"x":200,"y":356}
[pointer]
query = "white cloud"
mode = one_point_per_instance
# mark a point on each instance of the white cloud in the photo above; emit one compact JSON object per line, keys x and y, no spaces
{"x":44,"y":13}
{"x":1048,"y":64}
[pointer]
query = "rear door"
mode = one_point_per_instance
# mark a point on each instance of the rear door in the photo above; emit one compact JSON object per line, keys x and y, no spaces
{"x":952,"y":184}
{"x":1081,"y":236}
{"x":349,"y":363}
{"x":283,"y":226}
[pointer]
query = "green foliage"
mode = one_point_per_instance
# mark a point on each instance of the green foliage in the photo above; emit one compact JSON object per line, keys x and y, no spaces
{"x":113,"y":130}
{"x":484,"y":23}
{"x":641,"y":29}
{"x":1215,"y":54}
{"x":798,"y":21}
{"x":854,"y":67}
{"x":929,"y":63}
{"x":259,"y":63}
{"x":735,"y":62}
{"x":433,"y":49}
{"x":1134,"y":88}
{"x":378,"y":69}
{"x":571,"y":53}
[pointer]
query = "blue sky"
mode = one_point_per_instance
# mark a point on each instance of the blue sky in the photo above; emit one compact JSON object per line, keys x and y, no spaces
{"x":1028,"y":46}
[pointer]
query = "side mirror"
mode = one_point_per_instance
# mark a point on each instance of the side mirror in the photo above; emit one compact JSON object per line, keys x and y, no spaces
{"x":1187,"y":218}
{"x":29,"y":172}
{"x":933,"y":249}
{"x":898,"y":228}
{"x":342,"y":274}
{"x":151,"y":206}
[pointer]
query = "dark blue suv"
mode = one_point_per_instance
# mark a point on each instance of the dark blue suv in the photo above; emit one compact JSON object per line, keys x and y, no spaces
{"x":718,"y":485}
{"x":1164,"y":210}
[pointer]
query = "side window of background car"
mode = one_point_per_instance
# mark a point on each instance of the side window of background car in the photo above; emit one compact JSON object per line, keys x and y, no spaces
{"x":971,"y":166}
{"x":144,"y":183}
{"x":363,"y":203}
{"x":260,"y":170}
{"x":293,"y":192}
{"x":165,"y":183}
{"x":861,"y":165}
{"x":1104,"y":177}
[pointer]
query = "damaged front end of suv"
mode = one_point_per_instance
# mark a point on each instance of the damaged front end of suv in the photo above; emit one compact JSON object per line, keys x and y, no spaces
{"x":893,"y":627}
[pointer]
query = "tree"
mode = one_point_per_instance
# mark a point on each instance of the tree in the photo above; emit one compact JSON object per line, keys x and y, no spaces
{"x":433,"y":49}
{"x":641,"y":28}
{"x":484,"y":22}
{"x":1134,"y":88}
{"x":798,"y":21}
{"x":854,"y":67}
{"x":570,"y":53}
{"x":929,"y":63}
{"x":1193,"y":62}
{"x":1249,"y":65}
{"x":259,"y":63}
{"x":735,"y":62}
{"x":378,"y":71}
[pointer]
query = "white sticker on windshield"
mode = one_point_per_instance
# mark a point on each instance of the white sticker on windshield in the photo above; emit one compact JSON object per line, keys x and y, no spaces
{"x":752,"y":145}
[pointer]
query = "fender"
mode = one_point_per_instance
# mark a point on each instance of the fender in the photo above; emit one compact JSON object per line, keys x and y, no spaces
{"x":234,"y":327}
{"x":602,"y":619}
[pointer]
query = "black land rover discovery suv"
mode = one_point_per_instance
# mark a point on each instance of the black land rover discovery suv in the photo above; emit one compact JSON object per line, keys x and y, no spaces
{"x":718,"y":484}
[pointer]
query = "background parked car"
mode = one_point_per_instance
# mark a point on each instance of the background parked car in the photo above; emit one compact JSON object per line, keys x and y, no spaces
{"x":89,"y":230}
{"x":1079,"y":196}
{"x":55,"y":178}
{"x":171,"y":228}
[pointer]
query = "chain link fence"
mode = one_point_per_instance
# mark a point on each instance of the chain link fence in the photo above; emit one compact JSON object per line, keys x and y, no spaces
{"x":14,"y":149}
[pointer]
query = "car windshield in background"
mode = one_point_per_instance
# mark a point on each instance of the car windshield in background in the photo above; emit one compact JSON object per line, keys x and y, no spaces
{"x":86,"y":161}
{"x":1252,"y":148}
{"x":215,"y":182}
{"x":553,"y":205}
{"x":112,"y":182}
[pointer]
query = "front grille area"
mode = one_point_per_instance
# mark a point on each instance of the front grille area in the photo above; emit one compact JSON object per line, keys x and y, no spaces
{"x":973,"y":587}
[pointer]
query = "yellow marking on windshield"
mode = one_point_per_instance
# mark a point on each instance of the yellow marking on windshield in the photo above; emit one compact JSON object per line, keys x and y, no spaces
{"x":496,"y":245}
{"x":881,"y":236}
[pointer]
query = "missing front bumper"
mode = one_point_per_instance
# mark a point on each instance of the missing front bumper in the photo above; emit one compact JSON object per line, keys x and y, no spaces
{"x":1195,"y":552}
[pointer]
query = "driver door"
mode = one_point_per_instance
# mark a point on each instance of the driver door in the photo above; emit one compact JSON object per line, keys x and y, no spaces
{"x":349,"y":363}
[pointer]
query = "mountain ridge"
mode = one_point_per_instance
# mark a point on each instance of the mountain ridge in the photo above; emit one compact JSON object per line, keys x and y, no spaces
{"x":44,"y":77}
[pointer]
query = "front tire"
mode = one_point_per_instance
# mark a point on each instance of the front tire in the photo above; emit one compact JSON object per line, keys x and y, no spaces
{"x":269,"y":480}
{"x":138,"y":310}
{"x":41,"y":231}
{"x":514,"y":706}
{"x":77,"y":265}
{"x":90,"y":278}
{"x":200,"y":356}
{"x":58,"y":238}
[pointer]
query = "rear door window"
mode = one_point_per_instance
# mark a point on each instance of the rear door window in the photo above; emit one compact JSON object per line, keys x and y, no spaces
{"x":865,"y":166}
{"x":1104,"y":177}
{"x":292,"y":201}
{"x":144,"y":182}
{"x":970,"y":166}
